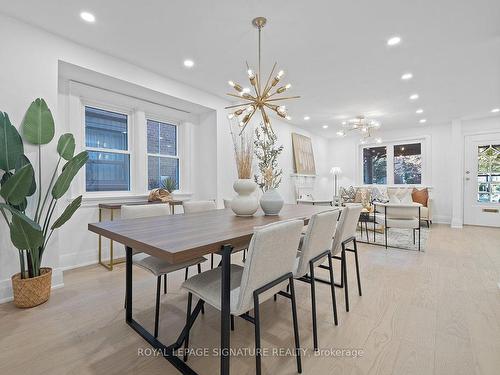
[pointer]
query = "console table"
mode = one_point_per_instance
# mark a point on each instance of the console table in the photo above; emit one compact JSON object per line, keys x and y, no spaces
{"x":117,"y":206}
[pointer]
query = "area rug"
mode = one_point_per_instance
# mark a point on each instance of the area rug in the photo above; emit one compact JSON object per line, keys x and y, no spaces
{"x":396,"y":238}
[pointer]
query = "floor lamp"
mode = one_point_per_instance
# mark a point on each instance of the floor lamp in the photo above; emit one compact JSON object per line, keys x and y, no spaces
{"x":336,"y":171}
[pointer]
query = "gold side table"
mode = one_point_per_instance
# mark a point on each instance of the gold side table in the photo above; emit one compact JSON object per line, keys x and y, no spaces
{"x":117,"y":206}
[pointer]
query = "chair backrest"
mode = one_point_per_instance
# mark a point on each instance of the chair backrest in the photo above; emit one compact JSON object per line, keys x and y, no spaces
{"x":271,"y":254}
{"x":346,"y":226}
{"x":144,"y":210}
{"x":400,"y":211}
{"x":227,"y":203}
{"x":198,"y":206}
{"x":318,"y":238}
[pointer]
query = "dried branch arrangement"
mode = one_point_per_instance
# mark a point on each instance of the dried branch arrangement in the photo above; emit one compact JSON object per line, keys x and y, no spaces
{"x":243,"y":151}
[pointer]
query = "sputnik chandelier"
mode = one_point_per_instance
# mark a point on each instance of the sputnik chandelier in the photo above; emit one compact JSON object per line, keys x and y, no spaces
{"x":264,"y":97}
{"x":362,"y":124}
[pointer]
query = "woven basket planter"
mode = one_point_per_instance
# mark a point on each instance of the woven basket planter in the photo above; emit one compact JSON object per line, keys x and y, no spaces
{"x":33,"y":291}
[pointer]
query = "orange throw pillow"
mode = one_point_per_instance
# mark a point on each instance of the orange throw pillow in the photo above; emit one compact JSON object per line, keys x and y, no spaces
{"x":420,"y":196}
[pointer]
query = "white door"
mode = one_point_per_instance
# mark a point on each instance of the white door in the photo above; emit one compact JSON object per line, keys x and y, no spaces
{"x":482,"y":180}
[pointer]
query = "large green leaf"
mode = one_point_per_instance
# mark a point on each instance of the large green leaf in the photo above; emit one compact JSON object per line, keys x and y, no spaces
{"x":66,"y":146}
{"x":69,"y":172}
{"x":16,"y":188}
{"x":25,"y":234}
{"x":21,"y":162}
{"x":38,"y":123}
{"x":11,"y":144}
{"x":68,"y":212}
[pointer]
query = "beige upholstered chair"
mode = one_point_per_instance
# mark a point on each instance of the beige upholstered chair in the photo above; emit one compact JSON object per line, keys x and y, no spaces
{"x":269,"y":267}
{"x":157,"y":266}
{"x":403,"y":216}
{"x":198,"y":206}
{"x":345,"y":234}
{"x":316,"y":246}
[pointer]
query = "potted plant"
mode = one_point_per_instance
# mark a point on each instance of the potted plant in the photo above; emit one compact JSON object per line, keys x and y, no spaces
{"x":245,"y":203}
{"x":267,"y":153}
{"x":31,"y":227}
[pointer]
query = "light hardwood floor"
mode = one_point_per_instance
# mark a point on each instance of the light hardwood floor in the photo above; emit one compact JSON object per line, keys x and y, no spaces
{"x":436,"y":312}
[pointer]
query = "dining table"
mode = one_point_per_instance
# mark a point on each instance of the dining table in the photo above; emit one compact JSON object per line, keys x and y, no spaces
{"x":183,"y":237}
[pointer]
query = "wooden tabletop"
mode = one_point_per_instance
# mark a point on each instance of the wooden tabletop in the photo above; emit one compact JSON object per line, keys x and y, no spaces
{"x":118,"y":205}
{"x":182,"y":237}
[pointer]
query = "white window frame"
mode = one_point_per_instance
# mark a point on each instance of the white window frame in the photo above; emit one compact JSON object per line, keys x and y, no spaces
{"x":425,"y":145}
{"x":81,"y":96}
{"x":163,"y":120}
{"x":129,"y":112}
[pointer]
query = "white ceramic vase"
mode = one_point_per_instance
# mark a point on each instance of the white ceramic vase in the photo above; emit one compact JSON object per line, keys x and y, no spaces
{"x":245,"y":203}
{"x":271,"y":202}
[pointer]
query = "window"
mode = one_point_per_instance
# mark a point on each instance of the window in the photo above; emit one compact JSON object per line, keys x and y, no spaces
{"x":408,"y":164}
{"x":106,"y":140}
{"x":488,"y":174}
{"x":163,"y":160}
{"x":375,"y":165}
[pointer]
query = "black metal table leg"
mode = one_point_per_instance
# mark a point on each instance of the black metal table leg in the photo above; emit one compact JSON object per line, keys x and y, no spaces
{"x":225,"y":318}
{"x":167,"y":351}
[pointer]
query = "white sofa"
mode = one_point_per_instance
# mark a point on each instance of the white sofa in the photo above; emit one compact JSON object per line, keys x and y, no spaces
{"x":367,"y":194}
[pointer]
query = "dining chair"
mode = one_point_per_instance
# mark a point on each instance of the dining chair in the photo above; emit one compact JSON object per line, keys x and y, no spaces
{"x":315,"y":246}
{"x":268,"y":269}
{"x":157,"y":266}
{"x":345,"y":234}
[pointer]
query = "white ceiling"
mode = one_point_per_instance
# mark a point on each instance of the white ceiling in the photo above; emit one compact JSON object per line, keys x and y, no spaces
{"x":334,"y":52}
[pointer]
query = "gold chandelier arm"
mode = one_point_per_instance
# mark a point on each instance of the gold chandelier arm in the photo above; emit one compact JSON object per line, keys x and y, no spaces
{"x":250,"y":98}
{"x":236,"y":105}
{"x":274,"y":107}
{"x":285,"y":98}
{"x":248,"y":120}
{"x":267,"y":87}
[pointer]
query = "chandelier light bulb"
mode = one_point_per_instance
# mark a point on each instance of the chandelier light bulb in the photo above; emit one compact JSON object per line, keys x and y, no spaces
{"x":281,"y":110}
{"x":288,"y":117}
{"x":251,"y":74}
{"x":230,"y":116}
{"x":250,"y":108}
{"x":281,"y":73}
{"x":340,"y":133}
{"x":231,"y":83}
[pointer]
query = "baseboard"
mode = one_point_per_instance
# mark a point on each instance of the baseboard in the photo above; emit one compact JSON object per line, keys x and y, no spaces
{"x":441,"y":219}
{"x":86,"y":258}
{"x":6,"y":285}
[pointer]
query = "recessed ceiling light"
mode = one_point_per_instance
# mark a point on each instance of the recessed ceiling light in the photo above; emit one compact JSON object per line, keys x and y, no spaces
{"x":325,"y":126}
{"x":307,"y":118}
{"x":406,"y":76}
{"x":378,"y":140}
{"x":419,"y":111}
{"x":423,"y":121}
{"x":414,"y":97}
{"x":188,"y":63}
{"x":495,"y":110}
{"x":344,"y":122}
{"x":87,"y":17}
{"x":395,"y":40}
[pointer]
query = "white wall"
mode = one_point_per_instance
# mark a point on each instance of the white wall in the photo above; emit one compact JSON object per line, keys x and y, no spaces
{"x":31,"y":71}
{"x":344,"y":153}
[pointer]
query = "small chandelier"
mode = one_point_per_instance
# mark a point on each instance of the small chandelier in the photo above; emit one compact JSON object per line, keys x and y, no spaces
{"x":264,"y":97}
{"x":361,"y":124}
